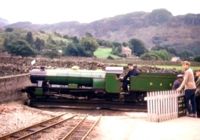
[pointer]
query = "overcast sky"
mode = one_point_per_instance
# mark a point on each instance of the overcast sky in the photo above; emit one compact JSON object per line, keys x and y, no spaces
{"x":84,"y":11}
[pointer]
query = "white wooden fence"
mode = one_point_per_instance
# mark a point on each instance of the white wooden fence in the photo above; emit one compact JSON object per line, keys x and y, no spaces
{"x":162,"y":105}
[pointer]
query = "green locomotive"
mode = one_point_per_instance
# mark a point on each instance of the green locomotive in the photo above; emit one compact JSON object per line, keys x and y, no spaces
{"x":94,"y":84}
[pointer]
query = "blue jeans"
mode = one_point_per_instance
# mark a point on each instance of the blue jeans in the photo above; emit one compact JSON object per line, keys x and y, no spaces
{"x":190,"y":97}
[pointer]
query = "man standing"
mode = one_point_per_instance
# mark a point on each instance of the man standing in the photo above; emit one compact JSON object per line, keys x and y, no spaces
{"x":189,"y":86}
{"x":133,"y":71}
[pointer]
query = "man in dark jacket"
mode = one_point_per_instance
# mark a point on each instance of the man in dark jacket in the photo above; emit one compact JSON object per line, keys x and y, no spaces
{"x":133,"y":71}
{"x":177,"y":82}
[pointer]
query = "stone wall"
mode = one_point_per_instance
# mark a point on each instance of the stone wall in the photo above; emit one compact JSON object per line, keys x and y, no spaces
{"x":10,"y":87}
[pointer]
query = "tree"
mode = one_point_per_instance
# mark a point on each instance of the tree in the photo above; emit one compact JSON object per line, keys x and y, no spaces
{"x":29,"y":38}
{"x":185,"y":54}
{"x":39,"y":44}
{"x":9,"y":29}
{"x":137,"y":47}
{"x":75,"y":39}
{"x":125,"y":44}
{"x":74,"y":49}
{"x":20,"y":47}
{"x":117,"y":48}
{"x":89,"y":44}
{"x":105,"y":43}
{"x":71,"y":50}
{"x":172,"y":51}
{"x":116,"y":44}
{"x":197,"y":59}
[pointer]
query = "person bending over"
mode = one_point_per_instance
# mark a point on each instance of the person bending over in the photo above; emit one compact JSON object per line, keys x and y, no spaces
{"x":133,"y":71}
{"x":177,"y":82}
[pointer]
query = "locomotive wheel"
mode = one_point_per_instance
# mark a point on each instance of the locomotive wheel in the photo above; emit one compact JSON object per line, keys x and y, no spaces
{"x":30,"y":95}
{"x":140,"y":97}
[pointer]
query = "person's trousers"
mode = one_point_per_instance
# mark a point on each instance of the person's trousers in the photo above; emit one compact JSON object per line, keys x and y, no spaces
{"x":198,"y":106}
{"x":190,"y":98}
{"x":125,"y":85}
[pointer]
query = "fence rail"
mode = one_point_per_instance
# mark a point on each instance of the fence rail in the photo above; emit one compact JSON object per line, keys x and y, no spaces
{"x":163,"y":105}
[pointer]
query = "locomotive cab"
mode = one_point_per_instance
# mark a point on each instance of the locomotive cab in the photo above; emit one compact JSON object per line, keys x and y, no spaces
{"x":112,"y":81}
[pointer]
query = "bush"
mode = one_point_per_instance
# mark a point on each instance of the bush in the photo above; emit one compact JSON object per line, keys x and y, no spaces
{"x":156,"y":55}
{"x":20,"y":47}
{"x":74,"y":49}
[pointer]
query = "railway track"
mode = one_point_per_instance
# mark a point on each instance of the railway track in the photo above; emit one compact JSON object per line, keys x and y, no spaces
{"x":76,"y":125}
{"x":81,"y":129}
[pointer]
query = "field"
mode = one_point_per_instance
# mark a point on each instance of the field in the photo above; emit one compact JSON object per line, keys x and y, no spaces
{"x":104,"y":53}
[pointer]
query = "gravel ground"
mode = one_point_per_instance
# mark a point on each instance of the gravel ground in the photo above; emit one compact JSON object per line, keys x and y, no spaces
{"x":14,"y":116}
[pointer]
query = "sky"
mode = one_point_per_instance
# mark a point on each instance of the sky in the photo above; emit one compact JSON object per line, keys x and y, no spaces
{"x":85,"y":11}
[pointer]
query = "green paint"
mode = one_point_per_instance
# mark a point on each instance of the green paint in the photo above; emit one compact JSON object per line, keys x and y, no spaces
{"x":99,"y":83}
{"x":152,"y":82}
{"x":38,"y":91}
{"x":112,"y":84}
{"x":65,"y":80}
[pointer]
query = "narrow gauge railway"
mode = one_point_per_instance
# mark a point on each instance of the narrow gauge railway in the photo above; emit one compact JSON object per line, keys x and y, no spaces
{"x":78,"y":126}
{"x":81,"y":129}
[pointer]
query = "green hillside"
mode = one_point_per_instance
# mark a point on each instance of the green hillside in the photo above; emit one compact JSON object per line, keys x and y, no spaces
{"x":49,"y":38}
